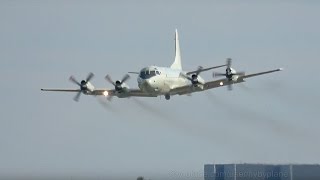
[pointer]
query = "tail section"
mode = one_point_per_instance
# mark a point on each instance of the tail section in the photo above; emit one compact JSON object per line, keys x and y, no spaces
{"x":177,"y":60}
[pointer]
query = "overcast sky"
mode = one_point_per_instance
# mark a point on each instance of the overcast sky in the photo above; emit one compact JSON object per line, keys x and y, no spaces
{"x":269,"y":119}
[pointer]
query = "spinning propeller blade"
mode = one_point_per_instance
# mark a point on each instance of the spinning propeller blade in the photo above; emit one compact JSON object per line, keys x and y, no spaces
{"x":81,"y":86}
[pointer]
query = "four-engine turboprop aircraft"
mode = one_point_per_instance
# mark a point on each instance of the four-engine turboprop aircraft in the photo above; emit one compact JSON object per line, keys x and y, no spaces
{"x":156,"y":81}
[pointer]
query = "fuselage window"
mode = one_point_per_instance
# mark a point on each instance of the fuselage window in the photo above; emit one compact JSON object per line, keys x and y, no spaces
{"x":157,"y":72}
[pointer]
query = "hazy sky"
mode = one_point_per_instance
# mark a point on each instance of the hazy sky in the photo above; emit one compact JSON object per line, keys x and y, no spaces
{"x":269,"y":119}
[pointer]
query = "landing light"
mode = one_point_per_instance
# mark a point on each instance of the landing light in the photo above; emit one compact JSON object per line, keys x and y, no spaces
{"x":105,"y":93}
{"x":221,"y":83}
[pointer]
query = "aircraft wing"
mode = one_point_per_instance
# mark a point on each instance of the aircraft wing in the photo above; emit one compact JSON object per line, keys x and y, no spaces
{"x":209,"y":85}
{"x":204,"y":69}
{"x":128,"y":93}
{"x":217,"y":83}
{"x":62,"y":90}
{"x":261,"y":73}
{"x":111,"y":92}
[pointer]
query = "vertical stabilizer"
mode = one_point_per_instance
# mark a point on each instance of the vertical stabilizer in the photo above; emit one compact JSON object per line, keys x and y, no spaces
{"x":177,"y":60}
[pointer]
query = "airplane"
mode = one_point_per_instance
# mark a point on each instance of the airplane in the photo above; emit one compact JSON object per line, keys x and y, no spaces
{"x":154,"y":81}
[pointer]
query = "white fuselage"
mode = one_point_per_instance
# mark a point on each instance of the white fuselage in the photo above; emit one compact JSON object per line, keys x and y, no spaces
{"x":161,"y":80}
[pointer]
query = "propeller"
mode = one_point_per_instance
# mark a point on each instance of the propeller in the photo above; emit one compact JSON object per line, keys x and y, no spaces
{"x":194,"y":77}
{"x":82,"y":85}
{"x":198,"y":71}
{"x":117,"y":84}
{"x":229,"y":61}
{"x":228,"y":74}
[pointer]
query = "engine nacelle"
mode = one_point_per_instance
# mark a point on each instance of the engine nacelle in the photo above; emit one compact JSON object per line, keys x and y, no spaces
{"x":89,"y":86}
{"x":197,"y":80}
{"x":234,"y":77}
{"x":120,"y":88}
{"x":231,"y":74}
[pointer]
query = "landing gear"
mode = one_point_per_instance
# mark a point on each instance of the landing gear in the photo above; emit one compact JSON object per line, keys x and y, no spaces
{"x":167,"y":96}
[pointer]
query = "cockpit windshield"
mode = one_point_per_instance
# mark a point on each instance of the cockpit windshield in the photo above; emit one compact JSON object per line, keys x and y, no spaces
{"x":146,"y":74}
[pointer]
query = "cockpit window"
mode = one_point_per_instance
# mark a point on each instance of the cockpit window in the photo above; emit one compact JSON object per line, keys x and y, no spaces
{"x":157,"y":72}
{"x":142,"y":74}
{"x":147,"y":74}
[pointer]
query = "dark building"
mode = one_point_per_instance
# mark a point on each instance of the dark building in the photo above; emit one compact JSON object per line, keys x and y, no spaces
{"x":261,"y":172}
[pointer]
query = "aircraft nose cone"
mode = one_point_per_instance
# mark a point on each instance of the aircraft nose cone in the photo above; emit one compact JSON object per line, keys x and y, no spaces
{"x":150,"y":83}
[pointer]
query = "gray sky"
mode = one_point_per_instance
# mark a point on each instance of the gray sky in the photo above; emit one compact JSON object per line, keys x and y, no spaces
{"x":269,"y":119}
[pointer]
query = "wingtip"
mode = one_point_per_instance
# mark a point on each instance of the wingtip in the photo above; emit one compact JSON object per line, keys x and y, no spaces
{"x":281,"y":69}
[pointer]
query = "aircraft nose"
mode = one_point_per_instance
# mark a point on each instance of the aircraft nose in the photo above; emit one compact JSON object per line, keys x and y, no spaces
{"x":142,"y":82}
{"x":150,"y":82}
{"x":145,"y":84}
